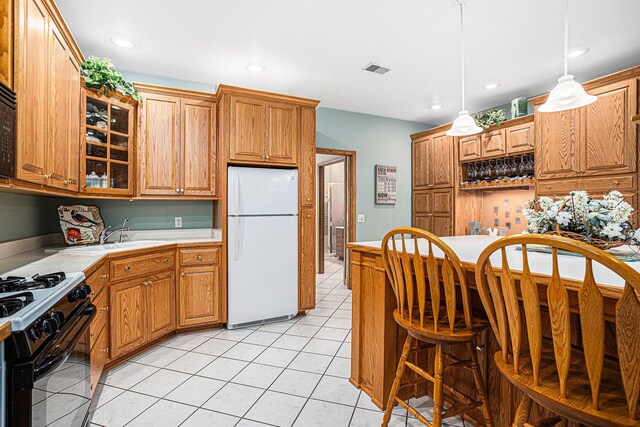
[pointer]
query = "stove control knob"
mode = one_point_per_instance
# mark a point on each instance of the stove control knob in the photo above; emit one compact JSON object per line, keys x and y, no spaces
{"x":50,"y":326}
{"x":58,"y":316}
{"x":35,"y":333}
{"x":80,"y":293}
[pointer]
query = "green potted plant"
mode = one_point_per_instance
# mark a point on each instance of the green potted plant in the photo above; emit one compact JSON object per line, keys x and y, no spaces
{"x":99,"y":73}
{"x":486,"y":119}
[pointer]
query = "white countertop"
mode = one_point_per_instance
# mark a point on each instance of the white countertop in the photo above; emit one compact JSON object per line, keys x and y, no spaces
{"x":469,"y":248}
{"x":43,"y":260}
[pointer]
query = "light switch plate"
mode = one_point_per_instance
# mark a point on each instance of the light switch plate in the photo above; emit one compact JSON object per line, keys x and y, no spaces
{"x":178,"y":222}
{"x":360,"y":217}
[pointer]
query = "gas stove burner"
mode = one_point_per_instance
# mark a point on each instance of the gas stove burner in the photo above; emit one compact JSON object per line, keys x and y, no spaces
{"x":14,"y":303}
{"x":15,"y":284}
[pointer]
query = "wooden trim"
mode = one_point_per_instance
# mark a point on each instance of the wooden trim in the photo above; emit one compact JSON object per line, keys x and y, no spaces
{"x":429,"y":132}
{"x":234,"y":90}
{"x":64,"y":29}
{"x":5,"y":331}
{"x":171,"y":91}
{"x":636,"y":119}
{"x":320,"y":220}
{"x":512,"y":122}
{"x":629,"y":73}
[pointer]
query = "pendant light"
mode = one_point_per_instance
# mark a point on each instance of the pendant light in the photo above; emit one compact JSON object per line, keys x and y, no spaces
{"x":568,"y":93}
{"x":464,"y":124}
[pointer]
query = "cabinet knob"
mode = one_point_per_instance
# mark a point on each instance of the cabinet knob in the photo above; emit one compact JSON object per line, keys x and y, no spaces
{"x":165,"y":260}
{"x":45,"y":176}
{"x":104,"y":276}
{"x":616,"y":182}
{"x":199,"y":257}
{"x":308,"y":199}
{"x":267,"y":157}
{"x":127,"y":268}
{"x":92,"y":334}
{"x":308,"y":216}
{"x":263,"y":156}
{"x":182,"y":191}
{"x":182,"y":273}
{"x":548,"y":187}
{"x":104,"y":309}
{"x":178,"y":190}
{"x":105,"y":350}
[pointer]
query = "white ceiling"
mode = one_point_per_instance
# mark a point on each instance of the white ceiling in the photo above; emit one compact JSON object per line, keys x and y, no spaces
{"x":317,"y":48}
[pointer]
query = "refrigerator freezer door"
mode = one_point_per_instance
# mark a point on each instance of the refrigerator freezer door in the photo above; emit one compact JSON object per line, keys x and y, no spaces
{"x":261,"y":191}
{"x":263,"y":268}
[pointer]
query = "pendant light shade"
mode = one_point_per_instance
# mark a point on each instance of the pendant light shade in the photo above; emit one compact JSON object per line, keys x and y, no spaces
{"x":464,"y":124}
{"x":568,"y":93}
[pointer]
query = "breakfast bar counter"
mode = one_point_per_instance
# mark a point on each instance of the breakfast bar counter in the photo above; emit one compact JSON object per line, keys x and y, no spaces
{"x":377,"y":340}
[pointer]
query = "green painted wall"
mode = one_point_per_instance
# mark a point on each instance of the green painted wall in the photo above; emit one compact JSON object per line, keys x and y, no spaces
{"x":26,"y":216}
{"x":376,"y":140}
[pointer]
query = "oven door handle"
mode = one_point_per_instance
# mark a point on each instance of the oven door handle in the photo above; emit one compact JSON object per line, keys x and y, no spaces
{"x":54,"y":363}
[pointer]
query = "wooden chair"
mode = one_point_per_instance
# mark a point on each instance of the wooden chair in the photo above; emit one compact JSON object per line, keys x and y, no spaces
{"x":574,"y":378}
{"x":419,"y":298}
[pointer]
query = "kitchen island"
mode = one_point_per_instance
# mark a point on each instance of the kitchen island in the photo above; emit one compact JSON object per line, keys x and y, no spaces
{"x":377,"y":340}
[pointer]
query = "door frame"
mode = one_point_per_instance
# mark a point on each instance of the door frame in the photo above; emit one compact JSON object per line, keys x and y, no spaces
{"x":350,"y":194}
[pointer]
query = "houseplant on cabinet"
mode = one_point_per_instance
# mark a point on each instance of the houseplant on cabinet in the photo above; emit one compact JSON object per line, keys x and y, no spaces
{"x":99,"y":73}
{"x":486,"y":119}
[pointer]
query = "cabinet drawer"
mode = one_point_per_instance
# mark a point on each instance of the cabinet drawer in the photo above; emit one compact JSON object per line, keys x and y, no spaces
{"x":99,"y":279}
{"x":199,"y":256}
{"x":144,"y":264}
{"x":98,"y":322}
{"x":562,"y":187}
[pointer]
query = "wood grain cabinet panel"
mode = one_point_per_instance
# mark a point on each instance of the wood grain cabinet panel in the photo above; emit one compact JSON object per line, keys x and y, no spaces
{"x":281,"y":145}
{"x":493,"y":144}
{"x":198,"y":296}
{"x":158,"y":145}
{"x":519,"y":138}
{"x":423,"y":221}
{"x":557,"y":147}
{"x":161,"y":306}
{"x":610,"y":139}
{"x":307,"y":169}
{"x":31,"y":91}
{"x":442,"y":225}
{"x":247,"y":129}
{"x":102,"y":314}
{"x":442,"y":161}
{"x":307,"y":260}
{"x":6,"y":42}
{"x":57,"y":162}
{"x":197,"y":169}
{"x":470,"y":148}
{"x":198,"y":256}
{"x":422,"y":202}
{"x":128,"y":323}
{"x":140,"y":265}
{"x":99,"y":356}
{"x":442,"y":201}
{"x":421,"y":164}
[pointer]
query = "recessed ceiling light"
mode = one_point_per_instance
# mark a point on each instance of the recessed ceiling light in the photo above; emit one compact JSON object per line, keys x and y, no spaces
{"x":436,"y":106}
{"x":256,"y":68}
{"x":491,"y":85}
{"x":577,"y":52}
{"x":122,"y":42}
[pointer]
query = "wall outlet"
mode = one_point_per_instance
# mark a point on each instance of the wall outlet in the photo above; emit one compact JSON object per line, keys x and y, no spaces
{"x":360,"y":217}
{"x":178,"y":221}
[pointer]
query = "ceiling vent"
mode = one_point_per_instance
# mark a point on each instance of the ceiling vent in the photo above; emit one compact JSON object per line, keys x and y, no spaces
{"x":375,"y":68}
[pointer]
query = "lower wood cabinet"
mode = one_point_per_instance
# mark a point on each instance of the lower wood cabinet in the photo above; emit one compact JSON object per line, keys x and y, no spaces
{"x":433,"y":211}
{"x":141,"y":310}
{"x":99,"y":357}
{"x":307,"y":260}
{"x":198,"y":295}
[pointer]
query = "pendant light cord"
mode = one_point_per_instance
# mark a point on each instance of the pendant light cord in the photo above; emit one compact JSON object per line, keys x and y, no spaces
{"x":566,"y":37}
{"x":461,"y":3}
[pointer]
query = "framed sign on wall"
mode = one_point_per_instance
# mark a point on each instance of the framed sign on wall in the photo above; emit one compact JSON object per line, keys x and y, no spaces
{"x":386,"y":185}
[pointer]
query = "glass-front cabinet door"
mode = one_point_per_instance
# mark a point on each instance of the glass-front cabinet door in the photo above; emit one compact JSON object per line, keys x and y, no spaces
{"x":108,"y":132}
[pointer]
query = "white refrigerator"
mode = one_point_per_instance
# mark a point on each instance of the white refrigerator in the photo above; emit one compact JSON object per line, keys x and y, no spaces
{"x":262,"y":245}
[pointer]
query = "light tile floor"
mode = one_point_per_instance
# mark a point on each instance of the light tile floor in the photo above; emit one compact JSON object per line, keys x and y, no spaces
{"x":292,"y":373}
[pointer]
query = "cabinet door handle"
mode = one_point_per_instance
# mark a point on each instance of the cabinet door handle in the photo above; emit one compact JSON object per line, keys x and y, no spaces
{"x":92,"y":334}
{"x":104,"y":276}
{"x":105,"y":350}
{"x":104,"y":308}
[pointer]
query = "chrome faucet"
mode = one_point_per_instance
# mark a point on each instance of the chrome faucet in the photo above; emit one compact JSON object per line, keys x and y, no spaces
{"x":104,"y":236}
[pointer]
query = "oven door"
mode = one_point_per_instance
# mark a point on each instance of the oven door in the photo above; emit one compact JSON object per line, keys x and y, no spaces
{"x":61,"y":391}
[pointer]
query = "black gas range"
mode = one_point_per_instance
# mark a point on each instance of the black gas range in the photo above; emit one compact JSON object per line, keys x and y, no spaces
{"x":47,"y":357}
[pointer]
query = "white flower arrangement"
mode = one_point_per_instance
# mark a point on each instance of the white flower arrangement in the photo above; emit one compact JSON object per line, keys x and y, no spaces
{"x":606,"y":219}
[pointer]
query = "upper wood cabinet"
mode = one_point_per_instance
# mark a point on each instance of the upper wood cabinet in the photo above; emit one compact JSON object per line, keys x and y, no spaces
{"x":48,"y":97}
{"x":176,"y":143}
{"x":470,"y":148}
{"x":519,"y":138}
{"x":493,"y":144}
{"x":263,"y":128}
{"x":6,"y":42}
{"x":595,"y":140}
{"x":433,"y":161}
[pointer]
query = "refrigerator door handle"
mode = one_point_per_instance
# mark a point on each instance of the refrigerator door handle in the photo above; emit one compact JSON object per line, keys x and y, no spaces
{"x":236,"y":237}
{"x":236,"y":194}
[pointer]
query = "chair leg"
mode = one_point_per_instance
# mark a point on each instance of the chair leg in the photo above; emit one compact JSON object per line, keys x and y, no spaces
{"x":522,"y":413}
{"x":391,"y":402}
{"x":480,"y":386}
{"x":437,"y":387}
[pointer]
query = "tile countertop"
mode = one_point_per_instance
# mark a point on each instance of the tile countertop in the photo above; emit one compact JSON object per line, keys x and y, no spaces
{"x":46,"y":260}
{"x":468,"y":249}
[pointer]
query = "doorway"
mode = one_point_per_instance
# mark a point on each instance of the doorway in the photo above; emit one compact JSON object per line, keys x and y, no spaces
{"x":336,"y":208}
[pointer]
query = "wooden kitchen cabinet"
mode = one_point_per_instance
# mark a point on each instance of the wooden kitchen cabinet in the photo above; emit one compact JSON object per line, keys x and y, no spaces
{"x":198,"y":296}
{"x":433,"y":211}
{"x":595,"y":140}
{"x":307,"y":169}
{"x":281,"y":145}
{"x":433,"y":161}
{"x":177,"y":146}
{"x":307,"y":260}
{"x":470,"y":148}
{"x":421,"y":164}
{"x":142,"y":310}
{"x":48,"y":97}
{"x":519,"y":138}
{"x":6,"y":42}
{"x":493,"y":144}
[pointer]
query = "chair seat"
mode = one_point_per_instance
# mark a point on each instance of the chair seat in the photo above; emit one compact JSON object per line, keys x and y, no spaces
{"x":427,"y":333}
{"x":577,"y":405}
